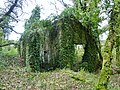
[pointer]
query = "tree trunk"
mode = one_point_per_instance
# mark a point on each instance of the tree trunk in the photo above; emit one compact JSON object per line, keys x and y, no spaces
{"x":106,"y":68}
{"x":110,"y":42}
{"x":118,"y":51}
{"x":1,"y":35}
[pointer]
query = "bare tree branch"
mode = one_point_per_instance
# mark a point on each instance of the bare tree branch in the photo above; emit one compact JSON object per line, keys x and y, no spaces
{"x":13,"y":30}
{"x":63,"y":3}
{"x":8,"y":44}
{"x":56,"y":9}
{"x":12,"y":8}
{"x":13,"y":18}
{"x":16,"y":32}
{"x":9,"y":11}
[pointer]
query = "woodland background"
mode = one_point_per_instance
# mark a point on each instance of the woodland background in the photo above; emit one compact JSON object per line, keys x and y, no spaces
{"x":64,"y":51}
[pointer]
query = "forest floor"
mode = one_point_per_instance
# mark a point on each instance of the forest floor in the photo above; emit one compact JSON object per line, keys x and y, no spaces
{"x":15,"y":77}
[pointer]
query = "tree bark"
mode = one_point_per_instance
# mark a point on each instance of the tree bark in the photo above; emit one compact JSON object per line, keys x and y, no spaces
{"x":109,"y":46}
{"x":118,"y":51}
{"x":107,"y":58}
{"x":1,"y":34}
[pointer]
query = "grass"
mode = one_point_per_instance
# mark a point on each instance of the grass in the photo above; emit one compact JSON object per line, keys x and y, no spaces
{"x":20,"y":79}
{"x":13,"y":76}
{"x":16,"y":78}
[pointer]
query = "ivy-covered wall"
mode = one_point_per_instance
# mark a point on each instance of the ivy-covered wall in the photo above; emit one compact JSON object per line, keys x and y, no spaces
{"x":47,"y":45}
{"x":54,"y":45}
{"x":66,"y":50}
{"x":91,"y":60}
{"x":34,"y":51}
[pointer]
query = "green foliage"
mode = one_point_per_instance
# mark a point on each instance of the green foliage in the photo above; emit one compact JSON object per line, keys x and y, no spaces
{"x":85,"y":14}
{"x":79,"y":52}
{"x":116,"y":22}
{"x":33,"y":42}
{"x":88,"y":13}
{"x":29,"y":45}
{"x":68,"y":12}
{"x":2,"y":65}
{"x":80,"y":76}
{"x":11,"y":52}
{"x":90,"y":59}
{"x":7,"y":53}
{"x":7,"y":58}
{"x":34,"y":50}
{"x":67,"y":50}
{"x":34,"y":18}
{"x":6,"y":27}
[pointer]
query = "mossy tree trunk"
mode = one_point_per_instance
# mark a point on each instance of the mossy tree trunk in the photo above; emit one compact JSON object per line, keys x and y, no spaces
{"x":118,"y":51}
{"x":1,"y":37}
{"x":109,"y":46}
{"x":107,"y":58}
{"x":117,"y":28}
